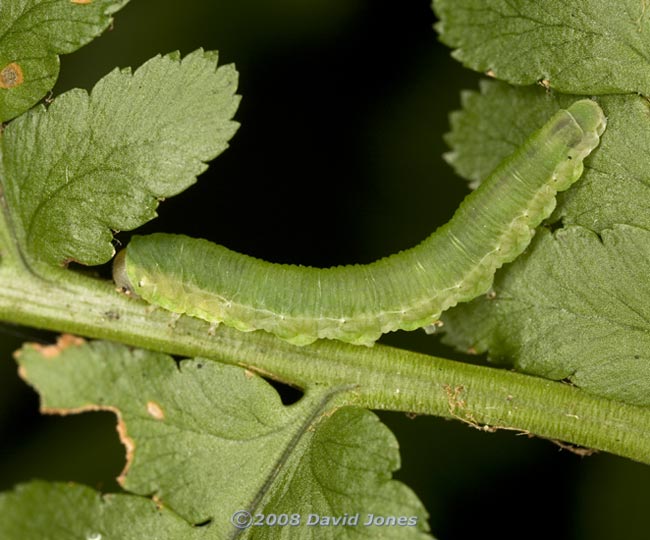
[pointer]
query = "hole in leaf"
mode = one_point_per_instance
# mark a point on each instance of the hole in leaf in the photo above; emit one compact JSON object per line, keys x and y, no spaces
{"x":559,"y":224}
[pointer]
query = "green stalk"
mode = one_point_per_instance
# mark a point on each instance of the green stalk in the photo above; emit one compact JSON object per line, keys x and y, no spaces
{"x":378,"y":377}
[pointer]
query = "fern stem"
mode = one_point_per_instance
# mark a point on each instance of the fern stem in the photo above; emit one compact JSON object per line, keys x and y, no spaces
{"x":378,"y":377}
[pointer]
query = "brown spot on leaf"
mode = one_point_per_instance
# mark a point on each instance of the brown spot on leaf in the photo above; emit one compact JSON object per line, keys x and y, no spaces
{"x":11,"y":76}
{"x":52,"y":351}
{"x":155,"y":410}
{"x":81,"y":1}
{"x":22,"y":373}
{"x":128,"y":444}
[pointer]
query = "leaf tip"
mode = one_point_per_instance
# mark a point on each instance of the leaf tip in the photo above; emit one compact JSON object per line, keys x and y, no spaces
{"x":174,"y":56}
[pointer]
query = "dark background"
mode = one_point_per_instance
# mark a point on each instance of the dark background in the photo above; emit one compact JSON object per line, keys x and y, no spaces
{"x":337,"y":160}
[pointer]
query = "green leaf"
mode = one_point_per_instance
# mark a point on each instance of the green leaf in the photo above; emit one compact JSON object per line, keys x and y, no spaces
{"x":56,"y":511}
{"x":32,"y":35}
{"x":575,"y":46}
{"x":615,"y":187}
{"x":576,"y":307}
{"x":210,"y":440}
{"x":92,"y":164}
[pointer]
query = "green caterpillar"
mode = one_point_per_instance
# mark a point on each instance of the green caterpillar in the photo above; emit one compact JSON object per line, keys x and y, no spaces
{"x":358,"y":303}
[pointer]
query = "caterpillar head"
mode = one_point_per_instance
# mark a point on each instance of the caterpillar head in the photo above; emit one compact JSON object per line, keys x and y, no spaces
{"x":120,"y":276}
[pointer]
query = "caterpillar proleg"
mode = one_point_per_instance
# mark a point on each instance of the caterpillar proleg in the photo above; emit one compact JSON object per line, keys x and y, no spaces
{"x":408,"y":290}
